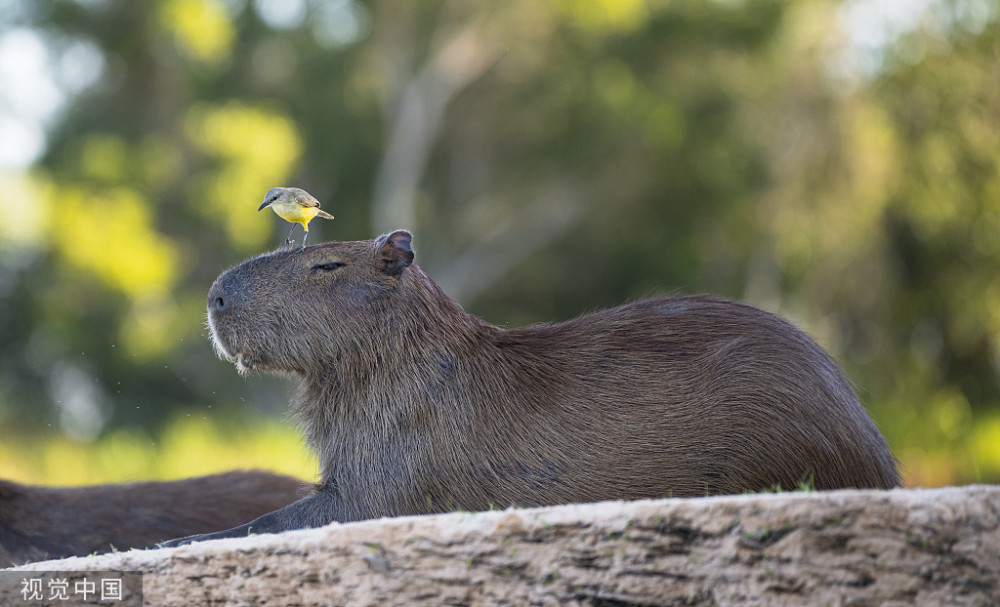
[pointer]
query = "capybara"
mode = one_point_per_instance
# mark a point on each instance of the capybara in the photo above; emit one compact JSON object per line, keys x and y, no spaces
{"x":416,"y":406}
{"x":38,"y":523}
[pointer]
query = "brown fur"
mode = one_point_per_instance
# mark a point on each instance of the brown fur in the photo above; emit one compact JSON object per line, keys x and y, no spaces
{"x":38,"y":523}
{"x":415,"y":405}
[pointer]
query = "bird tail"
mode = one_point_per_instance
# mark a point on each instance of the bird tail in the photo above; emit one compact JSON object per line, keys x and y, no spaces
{"x":324,"y":215}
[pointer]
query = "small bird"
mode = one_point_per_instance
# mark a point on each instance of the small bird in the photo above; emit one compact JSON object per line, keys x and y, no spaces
{"x":294,"y":205}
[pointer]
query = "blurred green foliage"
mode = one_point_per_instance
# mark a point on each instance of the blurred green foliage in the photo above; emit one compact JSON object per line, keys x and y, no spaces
{"x":550,"y":158}
{"x":190,"y":444}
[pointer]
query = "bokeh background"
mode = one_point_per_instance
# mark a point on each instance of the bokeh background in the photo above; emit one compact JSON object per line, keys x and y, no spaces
{"x":836,"y":162}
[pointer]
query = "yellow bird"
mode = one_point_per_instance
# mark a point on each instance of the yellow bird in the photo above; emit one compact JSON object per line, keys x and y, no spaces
{"x":294,"y":205}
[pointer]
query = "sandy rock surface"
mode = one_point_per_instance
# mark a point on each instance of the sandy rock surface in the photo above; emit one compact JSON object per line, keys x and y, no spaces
{"x":901,"y":547}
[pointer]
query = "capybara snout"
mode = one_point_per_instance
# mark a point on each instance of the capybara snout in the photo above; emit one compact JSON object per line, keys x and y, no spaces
{"x":292,"y":310}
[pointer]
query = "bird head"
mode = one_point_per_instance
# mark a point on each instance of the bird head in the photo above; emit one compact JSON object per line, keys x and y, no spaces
{"x":275,"y":195}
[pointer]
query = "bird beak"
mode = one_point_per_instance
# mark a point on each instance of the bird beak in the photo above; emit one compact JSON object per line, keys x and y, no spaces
{"x":266,"y":202}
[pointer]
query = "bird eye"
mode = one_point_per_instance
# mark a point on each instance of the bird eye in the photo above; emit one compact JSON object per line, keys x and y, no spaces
{"x":327,"y":267}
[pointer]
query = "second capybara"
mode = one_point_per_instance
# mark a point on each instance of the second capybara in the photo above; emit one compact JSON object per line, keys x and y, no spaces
{"x":39,"y":523}
{"x":415,"y":405}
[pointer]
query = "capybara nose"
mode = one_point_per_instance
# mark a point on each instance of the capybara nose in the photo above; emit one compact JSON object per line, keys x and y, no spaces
{"x":220,"y":304}
{"x":220,"y":298}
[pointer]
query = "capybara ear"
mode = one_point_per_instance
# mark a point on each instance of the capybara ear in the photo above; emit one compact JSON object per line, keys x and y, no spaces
{"x":394,"y":252}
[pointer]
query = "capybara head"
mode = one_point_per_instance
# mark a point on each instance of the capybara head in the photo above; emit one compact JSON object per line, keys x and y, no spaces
{"x":294,"y":311}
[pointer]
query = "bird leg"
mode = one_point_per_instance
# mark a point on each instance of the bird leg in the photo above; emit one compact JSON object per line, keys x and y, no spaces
{"x":288,"y":240}
{"x":304,"y":236}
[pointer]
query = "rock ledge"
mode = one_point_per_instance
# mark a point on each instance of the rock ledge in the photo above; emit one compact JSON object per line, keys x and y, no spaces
{"x":901,"y":547}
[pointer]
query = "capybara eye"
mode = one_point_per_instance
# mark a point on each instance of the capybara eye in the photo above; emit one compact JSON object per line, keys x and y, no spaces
{"x":326,"y":267}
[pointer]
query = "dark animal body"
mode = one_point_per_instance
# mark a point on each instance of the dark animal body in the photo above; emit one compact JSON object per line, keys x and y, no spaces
{"x":416,"y":406}
{"x":38,"y":523}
